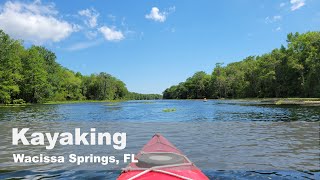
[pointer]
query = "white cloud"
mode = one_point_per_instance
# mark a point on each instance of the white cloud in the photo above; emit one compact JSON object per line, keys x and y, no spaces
{"x":91,"y":15}
{"x":272,"y":19}
{"x":110,"y":34}
{"x":296,"y":4}
{"x":156,"y":15}
{"x":34,"y":22}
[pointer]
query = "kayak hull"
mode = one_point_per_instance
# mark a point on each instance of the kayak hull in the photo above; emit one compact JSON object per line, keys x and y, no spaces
{"x":159,"y":147}
{"x":192,"y":174}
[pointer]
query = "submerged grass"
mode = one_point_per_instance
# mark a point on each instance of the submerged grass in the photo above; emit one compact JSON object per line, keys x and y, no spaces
{"x":287,"y":101}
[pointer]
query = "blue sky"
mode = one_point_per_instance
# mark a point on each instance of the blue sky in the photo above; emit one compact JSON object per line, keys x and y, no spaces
{"x":152,"y":45}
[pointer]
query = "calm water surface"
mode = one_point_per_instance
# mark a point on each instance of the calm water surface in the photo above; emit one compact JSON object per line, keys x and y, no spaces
{"x":226,"y":139}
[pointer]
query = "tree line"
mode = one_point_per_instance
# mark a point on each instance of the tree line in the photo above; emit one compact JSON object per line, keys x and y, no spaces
{"x":292,"y":71}
{"x":32,"y":75}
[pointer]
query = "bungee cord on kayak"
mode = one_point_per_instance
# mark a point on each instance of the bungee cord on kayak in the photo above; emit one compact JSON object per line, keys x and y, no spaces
{"x":157,"y":169}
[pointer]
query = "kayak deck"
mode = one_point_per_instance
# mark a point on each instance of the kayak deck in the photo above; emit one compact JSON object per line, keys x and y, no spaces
{"x":159,"y":159}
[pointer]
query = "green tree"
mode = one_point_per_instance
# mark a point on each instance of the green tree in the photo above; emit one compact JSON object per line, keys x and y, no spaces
{"x":35,"y":85}
{"x":10,"y":69}
{"x":285,"y":72}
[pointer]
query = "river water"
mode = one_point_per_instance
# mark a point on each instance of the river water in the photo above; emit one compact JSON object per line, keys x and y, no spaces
{"x":227,"y":139}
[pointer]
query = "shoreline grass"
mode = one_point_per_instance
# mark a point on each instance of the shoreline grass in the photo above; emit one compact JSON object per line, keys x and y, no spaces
{"x":286,"y":101}
{"x":16,"y":105}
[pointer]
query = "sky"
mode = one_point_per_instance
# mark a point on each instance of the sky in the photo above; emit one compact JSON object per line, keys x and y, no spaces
{"x":151,"y":45}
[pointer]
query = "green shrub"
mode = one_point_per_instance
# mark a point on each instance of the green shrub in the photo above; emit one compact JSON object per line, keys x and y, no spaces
{"x":18,"y":101}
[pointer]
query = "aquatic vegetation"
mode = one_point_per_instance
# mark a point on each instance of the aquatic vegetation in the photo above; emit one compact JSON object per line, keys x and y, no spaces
{"x":169,"y":110}
{"x":297,"y":101}
{"x":279,"y":102}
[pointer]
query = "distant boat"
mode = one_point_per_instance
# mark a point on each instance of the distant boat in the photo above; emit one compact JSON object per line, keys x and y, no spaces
{"x":205,"y":100}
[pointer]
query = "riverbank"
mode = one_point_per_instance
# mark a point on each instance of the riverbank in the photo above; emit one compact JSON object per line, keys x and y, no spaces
{"x":261,"y":101}
{"x":85,"y":101}
{"x":64,"y":102}
{"x":272,"y":101}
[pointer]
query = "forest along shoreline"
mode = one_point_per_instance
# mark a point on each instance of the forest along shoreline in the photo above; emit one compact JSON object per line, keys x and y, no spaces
{"x":285,"y":72}
{"x":32,"y":75}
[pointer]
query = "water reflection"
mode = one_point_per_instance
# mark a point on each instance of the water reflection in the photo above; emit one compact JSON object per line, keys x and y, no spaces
{"x":240,"y":138}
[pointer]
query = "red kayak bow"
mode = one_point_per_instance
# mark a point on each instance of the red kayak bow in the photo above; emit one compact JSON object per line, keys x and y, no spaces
{"x":160,"y":160}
